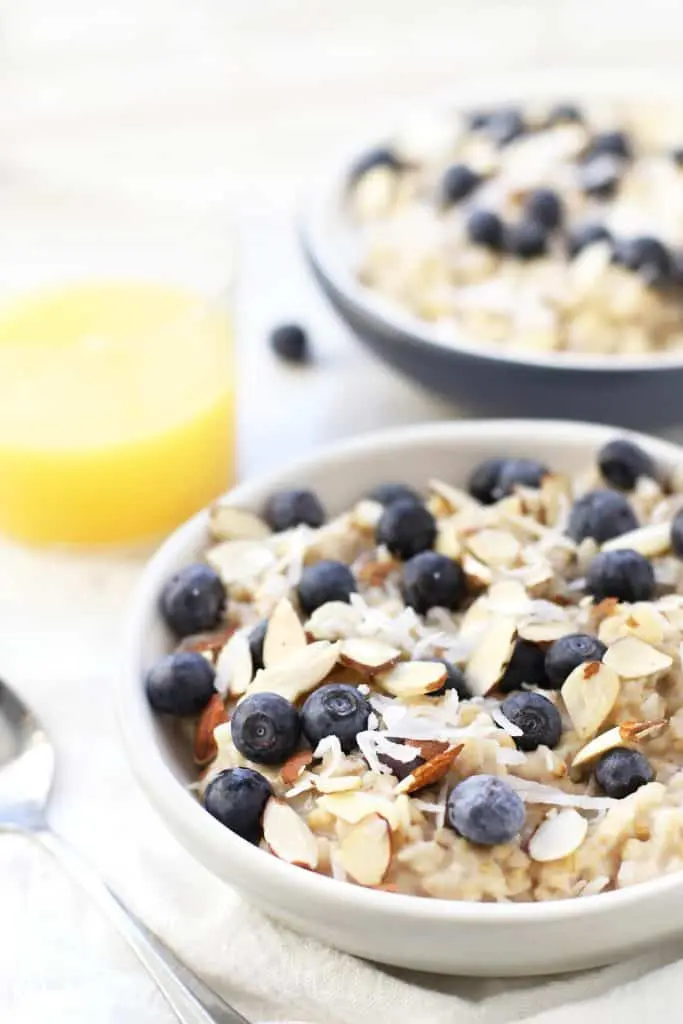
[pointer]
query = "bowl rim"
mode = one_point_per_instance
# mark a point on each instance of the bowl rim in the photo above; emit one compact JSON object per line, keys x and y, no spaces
{"x":326,"y":196}
{"x":185,"y":814}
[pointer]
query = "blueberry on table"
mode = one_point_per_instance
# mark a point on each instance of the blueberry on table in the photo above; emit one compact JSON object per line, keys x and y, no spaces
{"x":602,"y":515}
{"x":485,"y":228}
{"x":290,"y":342}
{"x":193,"y":601}
{"x":455,"y":680}
{"x":677,"y":534}
{"x":527,"y":239}
{"x":622,"y":463}
{"x":622,"y":771}
{"x":485,"y":810}
{"x":380,"y":156}
{"x":406,"y":529}
{"x":483,"y":480}
{"x":265,"y":728}
{"x":519,"y":473}
{"x":180,"y":684}
{"x":387,"y":494}
{"x":536,"y":716}
{"x":336,"y":709}
{"x":256,"y":638}
{"x":564,"y":113}
{"x":430,"y":580}
{"x":624,"y":574}
{"x":647,"y":257}
{"x":567,"y":653}
{"x":527,"y":665}
{"x":237,"y":798}
{"x":325,"y":581}
{"x":613,"y":143}
{"x":544,"y":207}
{"x":458,"y":182}
{"x":299,"y":507}
{"x":587,"y":234}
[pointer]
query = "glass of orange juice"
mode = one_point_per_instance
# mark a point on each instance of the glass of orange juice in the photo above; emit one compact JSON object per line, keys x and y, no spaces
{"x":118,"y":414}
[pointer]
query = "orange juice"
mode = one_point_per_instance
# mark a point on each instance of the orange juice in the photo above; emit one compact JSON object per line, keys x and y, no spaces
{"x":117,"y":415}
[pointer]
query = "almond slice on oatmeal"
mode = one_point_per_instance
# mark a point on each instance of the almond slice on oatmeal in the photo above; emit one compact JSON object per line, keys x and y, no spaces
{"x":491,"y":655}
{"x":300,"y":673}
{"x":641,"y":620}
{"x":238,"y":560}
{"x":293,"y":769}
{"x":337,"y":783}
{"x":448,"y":539}
{"x":227,"y":523}
{"x":368,"y":655}
{"x":590,"y":693}
{"x":353,"y":807}
{"x":477,"y":616}
{"x":334,"y":620}
{"x":205,"y":746}
{"x":624,"y":733}
{"x":478,"y":575}
{"x":284,"y":635}
{"x":366,"y":515}
{"x":538,"y":632}
{"x":430,"y":772}
{"x":555,"y":497}
{"x":495,"y":548}
{"x":412,"y":678}
{"x":632,"y":658}
{"x":508,"y":597}
{"x":365,"y":851}
{"x":558,"y":836}
{"x":651,"y":541}
{"x":288,"y":835}
{"x":234,"y":666}
{"x":453,"y":498}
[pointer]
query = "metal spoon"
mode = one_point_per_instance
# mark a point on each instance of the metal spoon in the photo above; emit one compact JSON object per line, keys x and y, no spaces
{"x":26,"y":774}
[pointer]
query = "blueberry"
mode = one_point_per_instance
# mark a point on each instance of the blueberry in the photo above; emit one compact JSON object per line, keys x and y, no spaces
{"x":265,"y":728}
{"x":527,"y":665}
{"x":455,"y":680}
{"x":600,"y":514}
{"x":503,"y":126}
{"x":290,"y":342}
{"x":483,"y":480}
{"x":256,"y":638}
{"x":336,"y":709}
{"x":406,"y":529}
{"x":599,"y":176}
{"x":325,"y":581}
{"x":387,"y":494}
{"x":457,"y":183}
{"x":567,"y":653}
{"x":564,"y":113}
{"x":380,"y":156}
{"x":527,"y":239}
{"x":430,"y":580}
{"x":624,"y":574}
{"x":614,"y":143}
{"x":485,"y":810}
{"x":621,"y":772}
{"x":485,"y":228}
{"x":677,"y":534}
{"x":544,"y":207}
{"x":193,"y":601}
{"x":519,"y":473}
{"x":622,"y":463}
{"x":299,"y":507}
{"x":536,"y":716}
{"x":237,"y":798}
{"x":180,"y":684}
{"x":647,"y":257}
{"x":587,"y":234}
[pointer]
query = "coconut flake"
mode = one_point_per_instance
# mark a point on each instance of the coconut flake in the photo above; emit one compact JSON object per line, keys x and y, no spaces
{"x":540,"y":793}
{"x":504,"y":722}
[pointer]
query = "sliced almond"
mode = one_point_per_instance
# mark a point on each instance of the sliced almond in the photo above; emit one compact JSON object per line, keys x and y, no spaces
{"x":234,"y":667}
{"x":491,"y":656}
{"x":641,"y":619}
{"x":543,"y":632}
{"x":284,"y":635}
{"x":412,"y":678}
{"x":237,"y":561}
{"x":288,"y":835}
{"x":300,"y":673}
{"x":333,"y":621}
{"x":336,"y":783}
{"x":632,"y":658}
{"x":495,"y":548}
{"x":624,"y":733}
{"x":429,"y":772}
{"x":634,"y":732}
{"x":205,"y":746}
{"x":375,"y":573}
{"x":537,"y":577}
{"x":508,"y":597}
{"x":428,"y":748}
{"x":454,"y":498}
{"x":367,"y":655}
{"x":558,"y":836}
{"x":477,"y":616}
{"x":555,"y":497}
{"x":590,"y":693}
{"x":651,"y":540}
{"x":478,"y":575}
{"x":447,"y":539}
{"x":353,"y":807}
{"x":292,"y":769}
{"x":366,"y":515}
{"x":226,"y":523}
{"x":365,"y":851}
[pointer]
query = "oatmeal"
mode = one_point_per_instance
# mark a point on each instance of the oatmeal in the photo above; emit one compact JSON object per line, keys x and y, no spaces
{"x":472,"y":693}
{"x":544,"y":230}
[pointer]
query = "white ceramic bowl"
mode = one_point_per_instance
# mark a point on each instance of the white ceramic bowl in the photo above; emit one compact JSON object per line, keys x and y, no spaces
{"x":427,"y":934}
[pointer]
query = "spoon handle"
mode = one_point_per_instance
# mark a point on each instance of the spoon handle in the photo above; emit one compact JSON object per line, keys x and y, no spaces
{"x":151,"y":953}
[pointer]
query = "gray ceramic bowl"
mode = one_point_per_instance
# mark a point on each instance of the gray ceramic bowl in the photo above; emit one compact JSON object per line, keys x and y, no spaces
{"x":642,"y":392}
